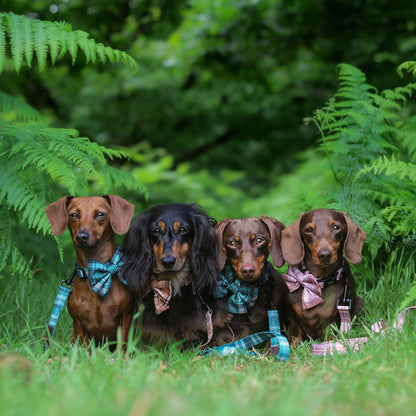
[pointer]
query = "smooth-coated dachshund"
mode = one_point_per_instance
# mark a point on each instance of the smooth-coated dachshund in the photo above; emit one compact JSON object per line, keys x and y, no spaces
{"x":170,"y":253}
{"x":92,"y":221}
{"x":319,"y":275}
{"x":249,"y":285}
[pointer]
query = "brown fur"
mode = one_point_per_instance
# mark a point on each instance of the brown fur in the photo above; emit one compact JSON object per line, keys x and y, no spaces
{"x":92,"y":222}
{"x":247,"y":243}
{"x":319,"y":238}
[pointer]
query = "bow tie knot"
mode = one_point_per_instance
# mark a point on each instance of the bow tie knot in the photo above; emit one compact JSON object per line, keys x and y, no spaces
{"x":298,"y":276}
{"x":100,"y":275}
{"x":243,"y":295}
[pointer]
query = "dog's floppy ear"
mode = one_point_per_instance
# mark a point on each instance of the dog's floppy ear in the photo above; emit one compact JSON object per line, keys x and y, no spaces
{"x":204,"y":251}
{"x":275,"y":227}
{"x":219,"y":232}
{"x":354,"y":241}
{"x":292,"y":245}
{"x":57,"y":215}
{"x":137,"y":255}
{"x":121,"y":213}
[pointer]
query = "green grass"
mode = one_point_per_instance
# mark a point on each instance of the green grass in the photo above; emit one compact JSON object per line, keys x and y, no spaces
{"x":380,"y":379}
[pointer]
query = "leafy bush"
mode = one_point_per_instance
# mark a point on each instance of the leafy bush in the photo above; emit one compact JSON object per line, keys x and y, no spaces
{"x":40,"y":163}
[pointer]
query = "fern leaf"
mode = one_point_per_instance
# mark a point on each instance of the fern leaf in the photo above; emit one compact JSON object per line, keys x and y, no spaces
{"x":409,"y":299}
{"x":41,"y":44}
{"x":408,"y":66}
{"x":28,"y":36}
{"x":28,"y":41}
{"x":17,"y":39}
{"x":13,"y":109}
{"x":2,"y":44}
{"x":12,"y":260}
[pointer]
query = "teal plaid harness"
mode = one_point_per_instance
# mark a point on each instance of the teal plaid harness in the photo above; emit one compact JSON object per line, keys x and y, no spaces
{"x":100,"y":278}
{"x":244,"y":296}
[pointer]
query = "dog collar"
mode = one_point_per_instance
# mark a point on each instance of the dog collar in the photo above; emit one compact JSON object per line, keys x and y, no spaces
{"x":298,"y":276}
{"x":243,"y":294}
{"x":100,"y":275}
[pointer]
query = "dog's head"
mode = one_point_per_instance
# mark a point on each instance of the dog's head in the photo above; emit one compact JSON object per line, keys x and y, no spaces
{"x":171,"y":242}
{"x":320,"y":237}
{"x":89,"y":218}
{"x":247,"y":244}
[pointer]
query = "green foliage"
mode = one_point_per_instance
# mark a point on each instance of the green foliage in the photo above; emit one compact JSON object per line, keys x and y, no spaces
{"x":25,"y":38}
{"x":40,"y":163}
{"x":363,"y":135}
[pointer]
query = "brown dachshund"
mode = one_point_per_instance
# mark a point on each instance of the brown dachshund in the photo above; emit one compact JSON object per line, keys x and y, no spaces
{"x":249,"y":285}
{"x":318,"y":276}
{"x":98,"y":307}
{"x":170,"y":253}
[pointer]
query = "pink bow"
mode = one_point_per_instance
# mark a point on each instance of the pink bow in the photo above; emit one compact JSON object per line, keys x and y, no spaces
{"x":312,"y":293}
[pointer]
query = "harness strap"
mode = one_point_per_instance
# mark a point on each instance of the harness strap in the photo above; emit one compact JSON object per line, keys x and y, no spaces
{"x":243,"y":344}
{"x":354,"y":344}
{"x":208,"y":317}
{"x":61,"y":297}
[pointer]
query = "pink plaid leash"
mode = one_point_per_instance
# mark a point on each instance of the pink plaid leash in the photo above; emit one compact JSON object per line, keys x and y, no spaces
{"x":354,"y":344}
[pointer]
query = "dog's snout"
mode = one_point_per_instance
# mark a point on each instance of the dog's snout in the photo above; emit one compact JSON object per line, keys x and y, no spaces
{"x":248,"y":270}
{"x":82,"y":237}
{"x":324,"y":255}
{"x":168,"y":262}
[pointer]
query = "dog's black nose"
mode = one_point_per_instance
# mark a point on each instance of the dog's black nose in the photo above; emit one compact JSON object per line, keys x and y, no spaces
{"x":248,"y":270}
{"x":324,"y":255}
{"x":82,"y":237}
{"x":168,"y":262}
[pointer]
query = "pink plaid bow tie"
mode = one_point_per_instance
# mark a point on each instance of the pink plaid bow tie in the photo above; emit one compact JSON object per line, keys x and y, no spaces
{"x":312,"y":290}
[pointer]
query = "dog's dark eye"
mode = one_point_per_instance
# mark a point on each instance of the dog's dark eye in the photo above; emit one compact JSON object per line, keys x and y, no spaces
{"x":156,"y":231}
{"x":232,"y":244}
{"x":100,"y":215}
{"x":309,"y":230}
{"x":74,"y":215}
{"x":336,"y":227}
{"x":182,"y":230}
{"x":259,"y":240}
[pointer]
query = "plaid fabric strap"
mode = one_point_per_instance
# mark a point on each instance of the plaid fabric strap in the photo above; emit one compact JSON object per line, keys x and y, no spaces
{"x":354,"y":344}
{"x":100,"y":275}
{"x":243,"y":344}
{"x":243,"y":295}
{"x":59,"y":304}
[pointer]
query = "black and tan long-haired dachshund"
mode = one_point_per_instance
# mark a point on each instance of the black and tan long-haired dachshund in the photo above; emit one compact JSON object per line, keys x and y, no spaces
{"x":170,"y":253}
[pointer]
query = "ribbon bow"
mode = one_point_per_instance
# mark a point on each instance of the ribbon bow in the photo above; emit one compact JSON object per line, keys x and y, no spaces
{"x":243,"y":294}
{"x":162,"y":294}
{"x":100,"y":275}
{"x":312,"y":289}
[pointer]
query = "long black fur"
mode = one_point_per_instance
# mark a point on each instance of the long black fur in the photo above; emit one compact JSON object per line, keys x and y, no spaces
{"x":185,"y":318}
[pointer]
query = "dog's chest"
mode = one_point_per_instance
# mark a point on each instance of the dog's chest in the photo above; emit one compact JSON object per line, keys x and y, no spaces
{"x":93,"y":311}
{"x":320,"y":316}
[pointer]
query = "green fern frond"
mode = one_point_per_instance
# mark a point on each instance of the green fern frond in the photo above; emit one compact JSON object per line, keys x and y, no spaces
{"x":13,"y":109}
{"x":2,"y":44}
{"x":17,"y":39}
{"x":390,"y":166}
{"x":17,"y":193}
{"x":409,"y":299}
{"x":12,"y":259}
{"x":408,"y":66}
{"x":26,"y":36}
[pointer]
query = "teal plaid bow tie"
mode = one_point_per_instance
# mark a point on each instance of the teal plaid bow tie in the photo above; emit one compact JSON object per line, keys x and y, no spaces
{"x":243,"y":294}
{"x":100,"y":275}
